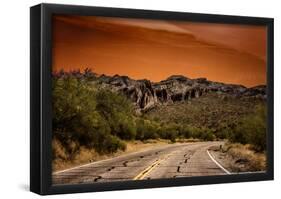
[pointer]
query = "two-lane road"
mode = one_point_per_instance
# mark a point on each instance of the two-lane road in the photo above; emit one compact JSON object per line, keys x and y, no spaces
{"x":169,"y":161}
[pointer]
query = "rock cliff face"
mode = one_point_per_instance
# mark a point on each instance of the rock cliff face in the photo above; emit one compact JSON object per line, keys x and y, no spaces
{"x":146,"y":94}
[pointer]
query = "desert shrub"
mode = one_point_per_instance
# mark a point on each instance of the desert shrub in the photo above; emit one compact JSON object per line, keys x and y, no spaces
{"x":81,"y":117}
{"x":185,"y":132}
{"x":111,"y":144}
{"x":140,"y":129}
{"x":258,"y":123}
{"x":207,"y":134}
{"x":74,"y":114}
{"x":195,"y":132}
{"x":118,"y":112}
{"x":251,"y":129}
{"x":170,"y":131}
{"x":223,"y":133}
{"x":237,"y":134}
{"x":127,"y":129}
{"x":146,"y":129}
{"x":151,"y":132}
{"x":163,"y":132}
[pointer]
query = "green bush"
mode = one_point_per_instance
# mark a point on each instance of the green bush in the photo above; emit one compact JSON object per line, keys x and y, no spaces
{"x":140,"y":129}
{"x":251,"y":130}
{"x":74,"y":114}
{"x":89,"y":116}
{"x":186,"y":132}
{"x":146,"y":129}
{"x":195,"y":132}
{"x":111,"y":144}
{"x":207,"y":135}
{"x":223,"y":133}
{"x":170,"y":132}
{"x":118,"y":112}
{"x":127,"y":129}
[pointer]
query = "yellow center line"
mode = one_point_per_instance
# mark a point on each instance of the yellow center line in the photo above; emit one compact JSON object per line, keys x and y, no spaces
{"x":146,"y":171}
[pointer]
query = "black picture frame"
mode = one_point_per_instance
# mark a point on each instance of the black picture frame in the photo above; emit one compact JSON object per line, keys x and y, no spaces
{"x":41,"y":95}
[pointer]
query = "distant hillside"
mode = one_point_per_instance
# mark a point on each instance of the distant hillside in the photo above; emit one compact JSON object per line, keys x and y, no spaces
{"x":147,"y":95}
{"x":211,"y":110}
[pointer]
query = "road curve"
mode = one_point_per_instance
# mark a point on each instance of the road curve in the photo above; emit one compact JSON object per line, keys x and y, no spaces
{"x":169,"y":161}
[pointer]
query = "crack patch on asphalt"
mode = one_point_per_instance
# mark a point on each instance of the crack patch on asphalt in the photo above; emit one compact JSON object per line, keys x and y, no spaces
{"x":97,"y":178}
{"x":111,"y":168}
{"x":178,"y":170}
{"x":125,"y":163}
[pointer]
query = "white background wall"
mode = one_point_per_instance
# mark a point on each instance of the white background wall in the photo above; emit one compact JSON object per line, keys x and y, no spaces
{"x":14,"y":98}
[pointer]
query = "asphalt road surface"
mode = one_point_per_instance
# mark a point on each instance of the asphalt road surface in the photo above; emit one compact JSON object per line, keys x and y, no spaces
{"x":169,"y":161}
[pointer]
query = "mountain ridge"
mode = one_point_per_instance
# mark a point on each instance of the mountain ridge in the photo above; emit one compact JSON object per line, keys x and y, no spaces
{"x":146,"y":94}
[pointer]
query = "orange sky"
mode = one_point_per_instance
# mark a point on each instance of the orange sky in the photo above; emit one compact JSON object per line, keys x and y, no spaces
{"x":156,"y":49}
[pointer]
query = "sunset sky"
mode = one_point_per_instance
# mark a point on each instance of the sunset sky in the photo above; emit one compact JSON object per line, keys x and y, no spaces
{"x":157,"y":49}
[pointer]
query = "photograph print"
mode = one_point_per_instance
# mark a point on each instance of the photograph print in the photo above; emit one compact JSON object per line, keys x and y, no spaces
{"x":142,"y":99}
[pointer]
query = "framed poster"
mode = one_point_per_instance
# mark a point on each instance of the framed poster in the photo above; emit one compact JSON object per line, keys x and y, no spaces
{"x":128,"y":99}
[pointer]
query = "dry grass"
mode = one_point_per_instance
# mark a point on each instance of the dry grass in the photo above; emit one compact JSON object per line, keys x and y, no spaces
{"x":240,"y":158}
{"x":184,"y":140}
{"x":243,"y":153}
{"x":84,"y":155}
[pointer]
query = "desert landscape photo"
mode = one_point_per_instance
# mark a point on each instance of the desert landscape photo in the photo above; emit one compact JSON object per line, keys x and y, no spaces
{"x":141,"y":99}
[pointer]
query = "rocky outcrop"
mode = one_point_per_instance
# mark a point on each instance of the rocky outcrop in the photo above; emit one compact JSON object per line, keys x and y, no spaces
{"x":146,"y":94}
{"x":141,"y":92}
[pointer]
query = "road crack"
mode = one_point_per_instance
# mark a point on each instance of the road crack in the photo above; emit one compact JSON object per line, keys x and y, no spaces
{"x":178,"y":170}
{"x":97,"y":178}
{"x":109,"y":169}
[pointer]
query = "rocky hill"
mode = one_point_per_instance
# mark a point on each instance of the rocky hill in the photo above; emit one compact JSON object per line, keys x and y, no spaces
{"x":146,"y":94}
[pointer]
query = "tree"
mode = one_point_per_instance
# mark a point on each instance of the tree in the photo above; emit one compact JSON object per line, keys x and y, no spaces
{"x":76,"y":118}
{"x":118,"y":112}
